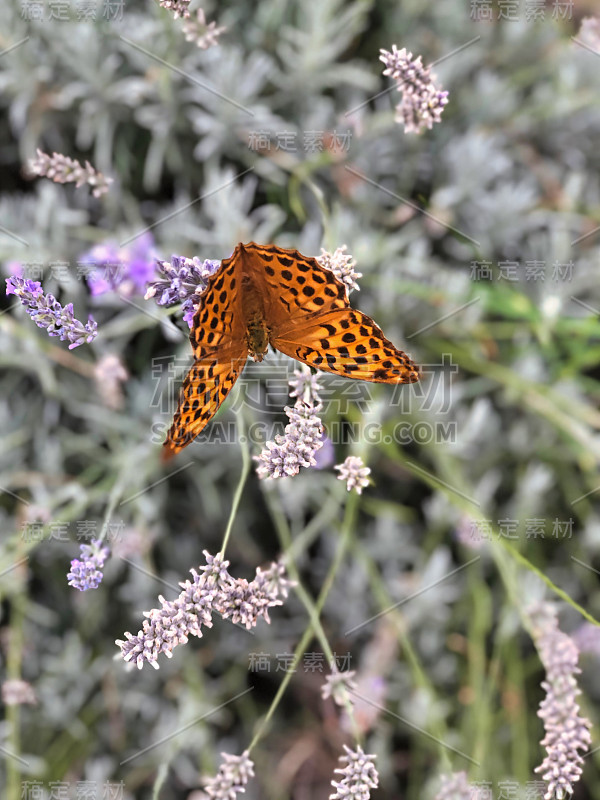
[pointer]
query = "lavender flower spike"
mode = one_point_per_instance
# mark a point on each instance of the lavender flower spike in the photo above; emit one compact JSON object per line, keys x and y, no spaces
{"x":354,"y":472}
{"x":360,"y":776}
{"x":337,"y":686}
{"x":303,"y":436}
{"x":204,"y":34}
{"x":62,"y":169}
{"x":87,"y":573}
{"x":567,"y":732}
{"x":180,"y":8}
{"x":234,"y":773}
{"x":211,"y":590}
{"x":284,"y":456}
{"x":48,"y":313}
{"x":342,"y":265}
{"x":183,"y":281}
{"x":422,"y":101}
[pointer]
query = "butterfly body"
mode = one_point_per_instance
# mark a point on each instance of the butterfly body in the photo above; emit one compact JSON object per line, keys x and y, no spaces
{"x":264,"y":295}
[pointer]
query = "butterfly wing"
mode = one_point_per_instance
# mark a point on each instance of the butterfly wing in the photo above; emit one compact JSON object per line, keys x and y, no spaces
{"x":346,"y":342}
{"x":206,"y":385}
{"x":294,"y":287}
{"x":220,"y":350}
{"x":311,"y":320}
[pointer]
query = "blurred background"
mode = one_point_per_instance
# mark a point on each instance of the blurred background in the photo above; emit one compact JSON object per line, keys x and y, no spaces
{"x":479,"y":246}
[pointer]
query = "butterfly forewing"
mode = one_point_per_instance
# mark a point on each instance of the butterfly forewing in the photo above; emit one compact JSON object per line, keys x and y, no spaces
{"x":220,"y":352}
{"x":295,"y":287}
{"x":205,"y":387}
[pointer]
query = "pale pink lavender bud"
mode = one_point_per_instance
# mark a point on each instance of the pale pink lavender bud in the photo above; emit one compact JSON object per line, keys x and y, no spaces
{"x":17,"y":692}
{"x":204,"y":34}
{"x":212,"y":589}
{"x":183,"y":281}
{"x":234,"y":774}
{"x":62,"y":169}
{"x":567,"y":732}
{"x":109,"y":374}
{"x":456,"y":787}
{"x":354,"y":472}
{"x":338,"y":686}
{"x":47,"y":312}
{"x":360,"y":776}
{"x":180,"y":8}
{"x":422,"y":101}
{"x":87,"y":573}
{"x":304,"y":385}
{"x":589,"y":32}
{"x":342,"y":265}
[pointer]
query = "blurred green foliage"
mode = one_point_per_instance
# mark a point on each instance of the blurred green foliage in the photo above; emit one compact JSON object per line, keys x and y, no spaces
{"x":510,"y":175}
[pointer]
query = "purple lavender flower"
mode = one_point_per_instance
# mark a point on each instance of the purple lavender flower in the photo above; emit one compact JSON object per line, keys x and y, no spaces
{"x":360,"y":776}
{"x":234,"y":773}
{"x":422,"y":102}
{"x":305,"y":385}
{"x":303,"y":436}
{"x":183,"y":282}
{"x":47,"y":312}
{"x":325,"y":455}
{"x":126,"y":270}
{"x":87,"y":573}
{"x":211,"y":590}
{"x":62,"y":169}
{"x":567,"y":731}
{"x":587,"y":639}
{"x":284,"y":456}
{"x":354,"y":472}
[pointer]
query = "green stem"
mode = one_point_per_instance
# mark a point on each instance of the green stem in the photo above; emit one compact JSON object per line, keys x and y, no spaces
{"x":241,"y":483}
{"x":462,"y":501}
{"x":349,"y":521}
{"x":285,"y":537}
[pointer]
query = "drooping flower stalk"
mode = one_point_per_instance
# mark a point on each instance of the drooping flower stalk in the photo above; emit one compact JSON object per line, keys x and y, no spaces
{"x":211,"y":590}
{"x":48,"y":313}
{"x":62,"y":169}
{"x":86,"y":571}
{"x":422,"y":101}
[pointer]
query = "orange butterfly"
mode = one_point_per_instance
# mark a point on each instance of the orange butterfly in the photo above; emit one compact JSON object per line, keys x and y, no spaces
{"x":265,"y":295}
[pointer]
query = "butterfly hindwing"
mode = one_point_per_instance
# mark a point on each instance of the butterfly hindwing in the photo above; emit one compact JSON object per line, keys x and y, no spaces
{"x":347,"y":342}
{"x":206,"y":385}
{"x":217,"y":337}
